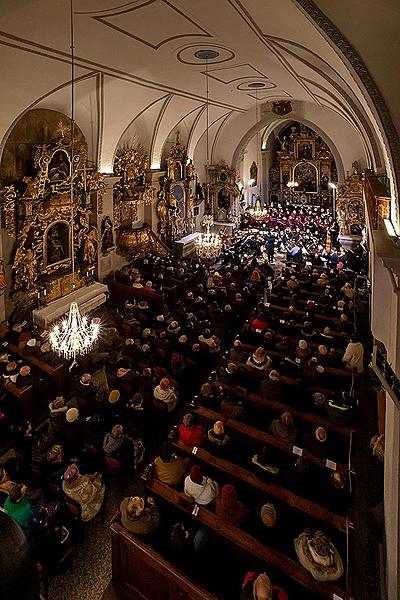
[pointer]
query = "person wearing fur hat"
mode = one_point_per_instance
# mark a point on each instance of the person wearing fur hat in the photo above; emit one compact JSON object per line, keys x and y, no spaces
{"x":259,"y":587}
{"x":190,"y":432}
{"x":202,"y":489}
{"x":138,"y":518}
{"x":165,"y":396}
{"x":86,"y":490}
{"x":259,"y":360}
{"x":169,"y":467}
{"x":318,"y":555}
{"x":218,"y":440}
{"x":284,"y":428}
{"x":229,"y":508}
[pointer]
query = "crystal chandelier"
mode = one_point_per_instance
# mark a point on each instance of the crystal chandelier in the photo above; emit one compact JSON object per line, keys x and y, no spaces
{"x":208,"y":245}
{"x":257,"y":211}
{"x":75,"y":336}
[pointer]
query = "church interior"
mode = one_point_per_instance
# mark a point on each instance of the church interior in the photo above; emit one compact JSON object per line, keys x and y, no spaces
{"x":199,"y":300}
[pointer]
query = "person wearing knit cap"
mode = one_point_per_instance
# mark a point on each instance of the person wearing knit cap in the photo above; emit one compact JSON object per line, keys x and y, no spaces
{"x":229,"y":508}
{"x":268,"y":514}
{"x":169,"y":467}
{"x":191,"y":433}
{"x":202,"y":489}
{"x":72,"y":415}
{"x":138,"y":518}
{"x":217,"y":438}
{"x":165,"y":396}
{"x":284,"y":428}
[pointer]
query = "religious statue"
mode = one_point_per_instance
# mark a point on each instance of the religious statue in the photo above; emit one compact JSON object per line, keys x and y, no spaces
{"x":56,"y":251}
{"x":107,"y":236}
{"x":90,"y":246}
{"x":59,"y":168}
{"x":30,"y":270}
{"x":253,"y":173}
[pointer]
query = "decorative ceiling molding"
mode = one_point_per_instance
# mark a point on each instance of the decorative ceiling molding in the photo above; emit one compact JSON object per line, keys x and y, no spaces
{"x":154,"y":22}
{"x":347,"y":51}
{"x":228,"y":75}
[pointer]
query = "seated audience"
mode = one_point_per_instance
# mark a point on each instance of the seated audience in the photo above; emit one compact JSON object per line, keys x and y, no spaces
{"x":138,"y":518}
{"x":202,"y":489}
{"x":85,"y":490}
{"x":18,"y":506}
{"x":169,"y":467}
{"x":190,"y":433}
{"x":229,"y":508}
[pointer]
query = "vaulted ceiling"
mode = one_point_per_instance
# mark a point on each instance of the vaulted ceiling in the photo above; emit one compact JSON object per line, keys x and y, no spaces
{"x":137,"y":76}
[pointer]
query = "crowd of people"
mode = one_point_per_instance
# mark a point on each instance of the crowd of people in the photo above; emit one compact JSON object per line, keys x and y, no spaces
{"x":278,"y":330}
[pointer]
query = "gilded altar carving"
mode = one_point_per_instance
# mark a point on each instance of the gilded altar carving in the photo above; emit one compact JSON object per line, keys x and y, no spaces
{"x":303,"y":168}
{"x":350,"y":204}
{"x":10,"y":196}
{"x":175,"y":198}
{"x":55,"y":219}
{"x":223,"y":192}
{"x":132,"y":190}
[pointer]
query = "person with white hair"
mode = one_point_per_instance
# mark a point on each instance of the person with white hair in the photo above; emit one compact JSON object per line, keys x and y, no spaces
{"x":138,"y":518}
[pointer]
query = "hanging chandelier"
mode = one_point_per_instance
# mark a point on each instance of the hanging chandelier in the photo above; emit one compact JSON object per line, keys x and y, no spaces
{"x":75,"y":336}
{"x":208,"y":245}
{"x":257,"y":211}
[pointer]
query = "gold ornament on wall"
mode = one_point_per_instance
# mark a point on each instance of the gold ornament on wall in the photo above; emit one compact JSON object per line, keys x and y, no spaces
{"x":10,"y":196}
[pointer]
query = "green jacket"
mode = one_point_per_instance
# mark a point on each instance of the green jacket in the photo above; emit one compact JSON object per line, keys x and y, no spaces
{"x":19,"y":511}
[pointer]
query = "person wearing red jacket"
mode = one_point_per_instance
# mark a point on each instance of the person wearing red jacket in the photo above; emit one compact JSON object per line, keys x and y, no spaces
{"x":190,"y":433}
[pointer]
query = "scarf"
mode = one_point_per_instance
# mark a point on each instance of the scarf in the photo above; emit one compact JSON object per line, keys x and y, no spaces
{"x":112,"y":444}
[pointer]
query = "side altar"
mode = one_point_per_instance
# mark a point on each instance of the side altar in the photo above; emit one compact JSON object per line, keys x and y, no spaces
{"x":52,"y":214}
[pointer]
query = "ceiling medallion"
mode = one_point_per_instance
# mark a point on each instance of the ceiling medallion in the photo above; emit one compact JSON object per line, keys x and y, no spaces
{"x":207,"y":54}
{"x":282,"y":107}
{"x":196,"y":54}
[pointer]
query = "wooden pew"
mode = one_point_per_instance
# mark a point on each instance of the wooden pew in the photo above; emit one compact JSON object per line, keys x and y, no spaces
{"x":248,"y":543}
{"x":24,"y":398}
{"x":139,"y":572}
{"x":286,"y":380}
{"x":281,"y":355}
{"x":261,"y":403}
{"x":264,"y":438}
{"x":243,"y":475}
{"x":120,"y":292}
{"x":57,"y":373}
